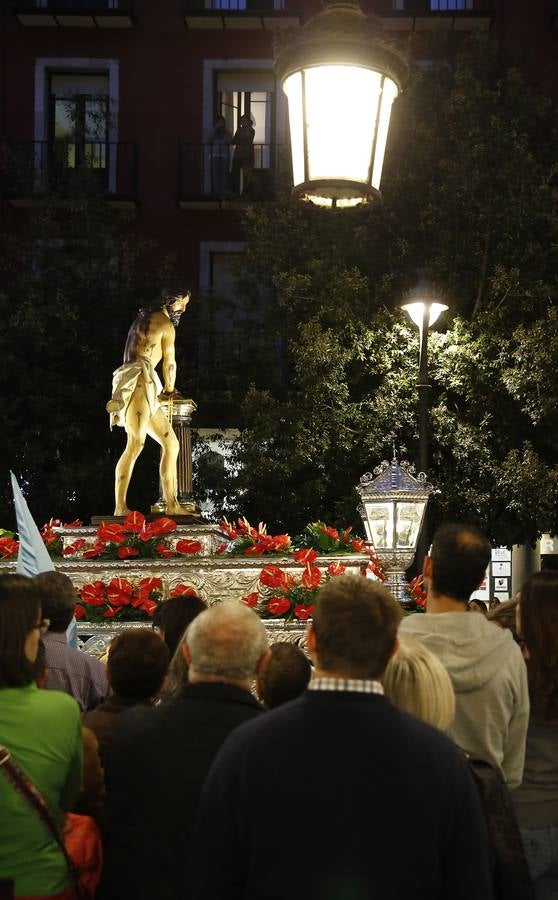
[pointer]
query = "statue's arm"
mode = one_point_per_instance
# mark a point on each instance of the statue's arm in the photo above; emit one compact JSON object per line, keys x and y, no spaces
{"x":169,"y":361}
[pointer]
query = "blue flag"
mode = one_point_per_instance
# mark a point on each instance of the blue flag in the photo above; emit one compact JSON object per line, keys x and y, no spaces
{"x":33,"y":556}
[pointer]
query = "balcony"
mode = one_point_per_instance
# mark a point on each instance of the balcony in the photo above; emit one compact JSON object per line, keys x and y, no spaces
{"x":105,"y":170}
{"x":208,"y":182}
{"x":253,"y":15}
{"x":434,"y":15}
{"x":75,"y":13}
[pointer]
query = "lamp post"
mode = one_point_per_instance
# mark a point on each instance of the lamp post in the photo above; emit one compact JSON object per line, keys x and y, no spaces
{"x":341,"y":79}
{"x":393,"y":506}
{"x":424,"y":313}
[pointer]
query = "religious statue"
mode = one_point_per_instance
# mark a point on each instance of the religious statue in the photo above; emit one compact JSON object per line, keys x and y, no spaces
{"x":137,"y":392}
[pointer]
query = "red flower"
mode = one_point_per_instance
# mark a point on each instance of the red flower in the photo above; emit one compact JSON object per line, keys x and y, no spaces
{"x":222,"y":548}
{"x":375,"y":567}
{"x":257,"y":549}
{"x":336,"y":569}
{"x":306,"y":556}
{"x":228,"y":529}
{"x":79,"y":611}
{"x":251,"y":599}
{"x":109,"y":613}
{"x":93,"y":594}
{"x":75,"y":547}
{"x":147,"y":586}
{"x":311,"y":577}
{"x":163,"y":551}
{"x":330,"y":531}
{"x":161,"y":526}
{"x":8,"y":547}
{"x":112,"y":532}
{"x":126,"y":552}
{"x":77,"y":523}
{"x":278,"y":605}
{"x":358,"y":545}
{"x":303,"y":612}
{"x":148,"y":606}
{"x":345,"y":535}
{"x":272,"y":577}
{"x":119,"y":592}
{"x":183,"y":590}
{"x":134,"y":521}
{"x":281,"y":541}
{"x":186,"y":546}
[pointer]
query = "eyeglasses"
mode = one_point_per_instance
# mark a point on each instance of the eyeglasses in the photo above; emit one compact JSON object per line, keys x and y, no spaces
{"x":43,"y":626}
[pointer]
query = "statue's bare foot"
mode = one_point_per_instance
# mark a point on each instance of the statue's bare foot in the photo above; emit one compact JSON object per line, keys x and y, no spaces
{"x":121,"y":511}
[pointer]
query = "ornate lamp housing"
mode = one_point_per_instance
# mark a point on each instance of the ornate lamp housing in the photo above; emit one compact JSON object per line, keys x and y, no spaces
{"x":340,"y":79}
{"x":392,"y":509}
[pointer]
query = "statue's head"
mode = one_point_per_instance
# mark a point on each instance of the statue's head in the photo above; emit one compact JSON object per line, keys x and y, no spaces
{"x":175,"y":298}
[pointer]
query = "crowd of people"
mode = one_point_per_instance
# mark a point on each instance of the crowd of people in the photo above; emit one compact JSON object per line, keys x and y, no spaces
{"x":403,"y":757}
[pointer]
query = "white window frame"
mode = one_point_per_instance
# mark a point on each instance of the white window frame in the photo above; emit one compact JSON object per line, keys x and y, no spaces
{"x":44,"y":65}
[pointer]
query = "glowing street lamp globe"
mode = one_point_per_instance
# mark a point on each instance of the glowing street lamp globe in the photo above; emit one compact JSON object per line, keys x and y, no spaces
{"x":340,"y":80}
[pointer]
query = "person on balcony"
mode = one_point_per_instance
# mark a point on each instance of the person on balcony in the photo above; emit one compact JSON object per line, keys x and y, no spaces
{"x":243,"y":158}
{"x":220,"y":151}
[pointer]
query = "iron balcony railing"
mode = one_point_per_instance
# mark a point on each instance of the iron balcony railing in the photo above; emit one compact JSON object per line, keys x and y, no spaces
{"x":73,"y":6}
{"x":214,"y":171}
{"x":100,"y":166}
{"x":428,"y":7}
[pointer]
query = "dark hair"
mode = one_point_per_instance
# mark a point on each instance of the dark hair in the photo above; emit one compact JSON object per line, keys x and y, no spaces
{"x":285,"y":675}
{"x":480,"y":604}
{"x":174,"y":615}
{"x":58,"y":598}
{"x":40,"y":666}
{"x":538,"y":606}
{"x":355,"y":622}
{"x":460,"y":555}
{"x":137,"y":663}
{"x":20,"y":610}
{"x":173,"y":287}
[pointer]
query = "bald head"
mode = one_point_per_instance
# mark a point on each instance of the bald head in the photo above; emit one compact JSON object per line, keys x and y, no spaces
{"x":227,"y":642}
{"x":459,"y":558}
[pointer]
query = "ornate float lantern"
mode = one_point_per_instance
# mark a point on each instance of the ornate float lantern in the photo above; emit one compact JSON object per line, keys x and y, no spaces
{"x":341,"y":79}
{"x":393,"y":503}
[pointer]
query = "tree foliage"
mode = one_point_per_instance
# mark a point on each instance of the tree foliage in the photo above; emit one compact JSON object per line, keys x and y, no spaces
{"x":469,"y":193}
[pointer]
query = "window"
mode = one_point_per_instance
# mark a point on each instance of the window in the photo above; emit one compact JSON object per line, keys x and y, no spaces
{"x":450,"y":5}
{"x":251,"y":93}
{"x":78,"y":122}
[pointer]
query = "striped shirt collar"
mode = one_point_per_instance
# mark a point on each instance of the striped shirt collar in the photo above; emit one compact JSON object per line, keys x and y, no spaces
{"x":357,"y":685}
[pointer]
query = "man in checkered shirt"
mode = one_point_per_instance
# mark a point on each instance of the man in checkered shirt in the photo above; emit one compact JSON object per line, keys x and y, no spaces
{"x":338,"y":795}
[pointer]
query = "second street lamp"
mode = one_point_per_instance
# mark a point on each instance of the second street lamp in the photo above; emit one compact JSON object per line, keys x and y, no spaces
{"x":424,"y":313}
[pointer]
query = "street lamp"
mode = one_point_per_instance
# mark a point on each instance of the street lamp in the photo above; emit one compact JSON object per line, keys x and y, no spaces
{"x":424,"y":313}
{"x":340,"y":79}
{"x":392,"y":509}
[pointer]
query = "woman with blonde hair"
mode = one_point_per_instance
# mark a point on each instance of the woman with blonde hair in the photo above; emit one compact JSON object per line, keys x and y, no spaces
{"x":415,"y":680}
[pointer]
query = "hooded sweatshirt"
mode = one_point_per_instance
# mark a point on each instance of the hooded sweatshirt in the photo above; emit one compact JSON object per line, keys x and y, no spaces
{"x":489,"y":678}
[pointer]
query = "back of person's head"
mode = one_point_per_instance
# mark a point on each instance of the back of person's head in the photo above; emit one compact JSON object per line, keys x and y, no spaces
{"x":137,"y":663}
{"x":226,"y":641}
{"x":538,"y":628}
{"x":503,"y":615}
{"x":477,"y":605}
{"x":460,"y":555}
{"x":415,"y":680}
{"x":175,"y":615}
{"x":58,"y":598}
{"x":285,"y":675}
{"x":355,"y":624}
{"x":20,"y":613}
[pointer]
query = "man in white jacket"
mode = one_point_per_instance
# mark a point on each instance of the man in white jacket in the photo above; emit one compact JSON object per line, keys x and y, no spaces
{"x":484,"y":663}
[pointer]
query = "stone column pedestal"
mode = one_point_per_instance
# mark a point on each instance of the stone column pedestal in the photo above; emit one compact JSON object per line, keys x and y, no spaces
{"x":181,"y":420}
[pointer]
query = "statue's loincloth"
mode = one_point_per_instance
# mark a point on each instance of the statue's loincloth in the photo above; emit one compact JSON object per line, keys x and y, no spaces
{"x":125,"y":380}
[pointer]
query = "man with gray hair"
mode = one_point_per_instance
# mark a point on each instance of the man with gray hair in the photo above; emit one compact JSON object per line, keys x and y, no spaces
{"x":157,"y":763}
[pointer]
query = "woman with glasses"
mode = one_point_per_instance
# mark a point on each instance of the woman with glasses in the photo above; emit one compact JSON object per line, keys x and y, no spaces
{"x":41,"y":732}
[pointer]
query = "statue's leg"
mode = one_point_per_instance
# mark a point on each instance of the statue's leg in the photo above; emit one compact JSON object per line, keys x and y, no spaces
{"x":160,"y":429}
{"x":137,"y":419}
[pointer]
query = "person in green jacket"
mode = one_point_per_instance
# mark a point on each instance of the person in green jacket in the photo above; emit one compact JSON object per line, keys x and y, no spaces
{"x":42,"y":731}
